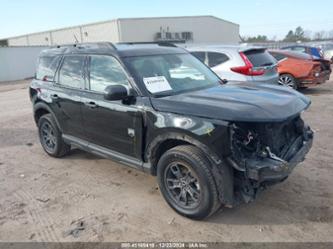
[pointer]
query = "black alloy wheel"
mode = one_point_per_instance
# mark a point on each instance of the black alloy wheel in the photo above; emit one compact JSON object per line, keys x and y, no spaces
{"x":48,"y":137}
{"x":187,"y":182}
{"x":182,"y":185}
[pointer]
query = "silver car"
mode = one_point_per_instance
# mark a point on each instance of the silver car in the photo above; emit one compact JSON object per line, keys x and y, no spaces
{"x":237,"y":62}
{"x":328,"y":51}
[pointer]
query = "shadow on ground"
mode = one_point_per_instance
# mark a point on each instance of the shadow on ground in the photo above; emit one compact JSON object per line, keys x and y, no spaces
{"x":316,"y":91}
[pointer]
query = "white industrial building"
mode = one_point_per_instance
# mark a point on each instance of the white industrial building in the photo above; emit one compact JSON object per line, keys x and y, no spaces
{"x":208,"y":29}
{"x":17,"y":63}
{"x":19,"y":54}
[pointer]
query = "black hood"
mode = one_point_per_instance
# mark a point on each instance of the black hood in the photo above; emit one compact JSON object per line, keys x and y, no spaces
{"x":237,"y":102}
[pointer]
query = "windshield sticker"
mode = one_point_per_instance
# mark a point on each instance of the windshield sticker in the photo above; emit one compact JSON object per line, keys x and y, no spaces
{"x":157,"y":84}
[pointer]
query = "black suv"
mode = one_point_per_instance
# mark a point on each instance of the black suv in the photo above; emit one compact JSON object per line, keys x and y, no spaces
{"x":157,"y":108}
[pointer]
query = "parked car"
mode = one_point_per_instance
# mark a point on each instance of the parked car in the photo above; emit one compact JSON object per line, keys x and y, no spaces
{"x":238,"y":63}
{"x":310,"y":50}
{"x":299,"y":70}
{"x":328,"y":51}
{"x":157,"y":108}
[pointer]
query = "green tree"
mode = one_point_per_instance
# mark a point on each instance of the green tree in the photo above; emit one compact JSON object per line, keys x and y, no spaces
{"x":297,"y":35}
{"x":290,"y":36}
{"x":258,"y":38}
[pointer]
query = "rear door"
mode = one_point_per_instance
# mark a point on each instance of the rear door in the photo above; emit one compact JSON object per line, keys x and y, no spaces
{"x":261,"y":59}
{"x":66,"y":95}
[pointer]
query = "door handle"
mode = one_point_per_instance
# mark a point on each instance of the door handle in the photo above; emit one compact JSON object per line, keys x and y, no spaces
{"x":54,"y":96}
{"x":91,"y":104}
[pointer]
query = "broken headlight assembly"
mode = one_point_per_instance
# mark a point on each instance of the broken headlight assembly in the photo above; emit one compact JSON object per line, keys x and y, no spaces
{"x":266,"y":153}
{"x":260,"y":146}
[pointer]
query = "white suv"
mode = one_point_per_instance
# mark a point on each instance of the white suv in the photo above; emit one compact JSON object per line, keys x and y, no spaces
{"x":237,"y":62}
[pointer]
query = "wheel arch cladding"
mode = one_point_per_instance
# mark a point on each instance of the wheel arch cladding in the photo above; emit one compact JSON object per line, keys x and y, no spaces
{"x":40,"y":109}
{"x":39,"y":113}
{"x":165,"y":142}
{"x":286,"y":72}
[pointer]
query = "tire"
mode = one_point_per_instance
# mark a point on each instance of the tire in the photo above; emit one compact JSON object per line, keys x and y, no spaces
{"x":303,"y":88}
{"x":50,"y":137}
{"x":191,"y":189}
{"x":288,"y":80}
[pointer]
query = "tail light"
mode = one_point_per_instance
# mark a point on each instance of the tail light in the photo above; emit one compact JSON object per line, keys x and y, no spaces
{"x":248,"y":69}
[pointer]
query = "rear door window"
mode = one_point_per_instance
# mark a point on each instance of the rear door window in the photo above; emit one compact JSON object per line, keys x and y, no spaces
{"x":47,"y":67}
{"x":299,"y":49}
{"x":278,"y":57}
{"x":260,"y":58}
{"x":71,"y":72}
{"x":215,"y":58}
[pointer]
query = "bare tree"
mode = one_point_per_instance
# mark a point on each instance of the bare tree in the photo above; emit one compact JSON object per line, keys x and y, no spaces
{"x":320,"y":35}
{"x":308,"y":34}
{"x":330,"y":34}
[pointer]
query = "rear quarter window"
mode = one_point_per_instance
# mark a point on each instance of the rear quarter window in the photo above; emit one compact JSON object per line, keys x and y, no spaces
{"x":215,"y":58}
{"x":200,"y":55}
{"x":260,"y":57}
{"x":47,"y":67}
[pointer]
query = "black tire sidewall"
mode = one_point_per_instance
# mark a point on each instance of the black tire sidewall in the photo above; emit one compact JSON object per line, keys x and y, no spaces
{"x":48,"y":118}
{"x":206,"y":203}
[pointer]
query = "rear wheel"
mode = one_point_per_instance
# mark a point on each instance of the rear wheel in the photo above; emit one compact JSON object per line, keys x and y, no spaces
{"x":187,"y":182}
{"x":288,"y":80}
{"x":50,"y":137}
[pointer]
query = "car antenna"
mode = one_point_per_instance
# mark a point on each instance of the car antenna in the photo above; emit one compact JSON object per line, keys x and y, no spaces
{"x":76,"y":40}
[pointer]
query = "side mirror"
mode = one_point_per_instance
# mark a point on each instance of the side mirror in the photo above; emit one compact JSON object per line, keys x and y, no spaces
{"x":48,"y":78}
{"x":117,"y":92}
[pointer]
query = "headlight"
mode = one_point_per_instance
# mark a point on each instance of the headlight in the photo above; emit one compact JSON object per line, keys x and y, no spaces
{"x":185,"y":123}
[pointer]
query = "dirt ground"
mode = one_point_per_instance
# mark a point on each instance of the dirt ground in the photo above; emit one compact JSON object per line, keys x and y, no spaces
{"x":85,"y":198}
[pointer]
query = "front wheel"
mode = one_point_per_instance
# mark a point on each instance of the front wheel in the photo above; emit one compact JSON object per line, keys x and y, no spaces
{"x":187,"y":183}
{"x":288,"y":80}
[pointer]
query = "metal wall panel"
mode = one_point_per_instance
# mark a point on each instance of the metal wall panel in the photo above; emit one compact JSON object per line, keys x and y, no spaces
{"x":203,"y":29}
{"x":107,"y":31}
{"x":206,"y":29}
{"x":18,"y":63}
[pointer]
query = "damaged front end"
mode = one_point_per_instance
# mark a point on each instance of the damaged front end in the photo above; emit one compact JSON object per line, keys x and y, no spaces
{"x":266,"y":153}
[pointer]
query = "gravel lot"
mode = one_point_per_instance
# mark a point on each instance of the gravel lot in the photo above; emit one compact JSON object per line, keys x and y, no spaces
{"x":85,"y":198}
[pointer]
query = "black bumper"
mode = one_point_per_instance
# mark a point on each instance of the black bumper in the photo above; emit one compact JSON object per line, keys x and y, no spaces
{"x":271,"y":170}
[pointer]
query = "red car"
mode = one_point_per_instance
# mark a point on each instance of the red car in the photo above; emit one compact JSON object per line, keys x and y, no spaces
{"x":298,"y":70}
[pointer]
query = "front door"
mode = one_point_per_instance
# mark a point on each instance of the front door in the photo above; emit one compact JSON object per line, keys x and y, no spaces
{"x":114,"y":125}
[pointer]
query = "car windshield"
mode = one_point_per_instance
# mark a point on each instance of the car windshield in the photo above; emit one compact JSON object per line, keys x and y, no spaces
{"x":171,"y":74}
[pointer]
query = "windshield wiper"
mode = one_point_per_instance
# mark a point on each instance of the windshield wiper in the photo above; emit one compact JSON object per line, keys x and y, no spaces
{"x":159,"y":95}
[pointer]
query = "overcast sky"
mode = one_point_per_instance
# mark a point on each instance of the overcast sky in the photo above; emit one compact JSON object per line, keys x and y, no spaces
{"x":269,"y":17}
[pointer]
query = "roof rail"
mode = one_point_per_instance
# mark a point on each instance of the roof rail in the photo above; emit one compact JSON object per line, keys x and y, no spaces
{"x":111,"y":45}
{"x":82,"y":45}
{"x":63,"y":46}
{"x":159,"y":43}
